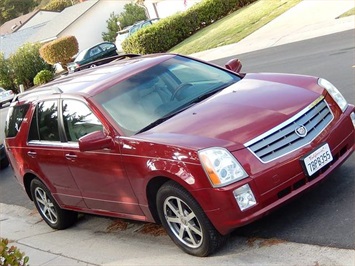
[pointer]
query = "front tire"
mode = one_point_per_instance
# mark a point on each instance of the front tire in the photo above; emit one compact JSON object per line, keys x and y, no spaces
{"x":47,"y":207}
{"x":186,"y":223}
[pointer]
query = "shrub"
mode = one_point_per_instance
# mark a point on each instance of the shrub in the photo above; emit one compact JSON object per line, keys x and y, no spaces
{"x":43,"y":77}
{"x":25,"y":63}
{"x":60,"y":51}
{"x":11,"y":256}
{"x":170,"y":31}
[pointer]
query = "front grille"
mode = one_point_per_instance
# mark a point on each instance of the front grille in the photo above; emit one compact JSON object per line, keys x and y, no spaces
{"x":283,"y":139}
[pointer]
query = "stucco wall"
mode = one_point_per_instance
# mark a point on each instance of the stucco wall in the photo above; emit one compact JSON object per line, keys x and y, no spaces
{"x":88,"y":28}
{"x":166,"y":8}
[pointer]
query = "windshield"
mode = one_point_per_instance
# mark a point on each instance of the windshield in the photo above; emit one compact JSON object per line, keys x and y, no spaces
{"x":81,"y":55}
{"x":158,"y":93}
{"x":121,"y":37}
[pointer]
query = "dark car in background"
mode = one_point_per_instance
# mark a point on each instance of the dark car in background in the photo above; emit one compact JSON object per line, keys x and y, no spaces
{"x":94,"y":53}
{"x":174,"y":140}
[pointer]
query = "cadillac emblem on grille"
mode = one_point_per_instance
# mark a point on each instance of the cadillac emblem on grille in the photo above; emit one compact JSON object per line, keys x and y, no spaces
{"x":301,"y":131}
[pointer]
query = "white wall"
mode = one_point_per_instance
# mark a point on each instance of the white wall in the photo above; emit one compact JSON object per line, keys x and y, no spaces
{"x":88,"y":28}
{"x":167,"y":8}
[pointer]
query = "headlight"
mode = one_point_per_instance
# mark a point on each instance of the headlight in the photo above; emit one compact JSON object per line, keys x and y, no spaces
{"x":221,"y":167}
{"x":334,"y":92}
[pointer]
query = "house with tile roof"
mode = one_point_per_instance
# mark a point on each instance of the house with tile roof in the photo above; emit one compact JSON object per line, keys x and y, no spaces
{"x":26,"y":21}
{"x":16,"y":32}
{"x":86,"y":21}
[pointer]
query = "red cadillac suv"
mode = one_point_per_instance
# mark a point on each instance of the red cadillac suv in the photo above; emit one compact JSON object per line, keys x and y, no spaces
{"x":170,"y":139}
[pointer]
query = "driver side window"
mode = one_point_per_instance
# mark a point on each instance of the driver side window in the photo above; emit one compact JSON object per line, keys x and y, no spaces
{"x":79,"y":120}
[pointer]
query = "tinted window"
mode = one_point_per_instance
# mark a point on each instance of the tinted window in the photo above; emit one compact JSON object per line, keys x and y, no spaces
{"x":44,"y":124}
{"x":106,"y":46}
{"x":78,"y":120}
{"x":15,"y":117}
{"x":95,"y":51}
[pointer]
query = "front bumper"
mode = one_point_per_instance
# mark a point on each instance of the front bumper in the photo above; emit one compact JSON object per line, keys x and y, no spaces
{"x":276,"y":183}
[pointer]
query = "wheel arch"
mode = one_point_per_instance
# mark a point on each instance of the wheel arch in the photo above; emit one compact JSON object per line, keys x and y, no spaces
{"x":152,"y":188}
{"x":27,"y":179}
{"x":151,"y":192}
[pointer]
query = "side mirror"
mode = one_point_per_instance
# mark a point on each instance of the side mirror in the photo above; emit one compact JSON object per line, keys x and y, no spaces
{"x":234,"y":65}
{"x":96,"y":140}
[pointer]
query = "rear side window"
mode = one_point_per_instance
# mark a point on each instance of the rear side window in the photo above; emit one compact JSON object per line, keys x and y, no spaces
{"x":44,"y":124}
{"x":14,"y":119}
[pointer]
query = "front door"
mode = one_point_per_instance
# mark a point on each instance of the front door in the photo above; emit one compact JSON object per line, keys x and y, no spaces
{"x":99,"y":174}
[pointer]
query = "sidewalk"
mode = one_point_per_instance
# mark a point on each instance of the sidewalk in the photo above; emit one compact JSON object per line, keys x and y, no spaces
{"x":101,"y":241}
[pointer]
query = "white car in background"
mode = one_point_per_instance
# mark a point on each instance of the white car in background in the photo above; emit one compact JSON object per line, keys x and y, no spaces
{"x":6,"y":96}
{"x":129,"y":30}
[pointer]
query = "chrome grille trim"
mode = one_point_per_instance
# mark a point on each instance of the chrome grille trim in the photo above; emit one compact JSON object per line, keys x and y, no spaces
{"x":283,"y":139}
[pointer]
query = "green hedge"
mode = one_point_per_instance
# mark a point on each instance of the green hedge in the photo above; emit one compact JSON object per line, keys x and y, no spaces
{"x":172,"y":30}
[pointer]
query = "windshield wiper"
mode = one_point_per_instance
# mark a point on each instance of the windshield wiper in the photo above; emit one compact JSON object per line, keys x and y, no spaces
{"x":210,"y":93}
{"x":161,"y":120}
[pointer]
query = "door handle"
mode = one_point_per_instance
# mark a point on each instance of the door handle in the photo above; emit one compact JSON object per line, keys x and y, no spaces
{"x":32,"y":154}
{"x":71,"y":156}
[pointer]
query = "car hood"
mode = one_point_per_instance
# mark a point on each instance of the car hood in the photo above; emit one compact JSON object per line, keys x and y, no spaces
{"x":239,"y":113}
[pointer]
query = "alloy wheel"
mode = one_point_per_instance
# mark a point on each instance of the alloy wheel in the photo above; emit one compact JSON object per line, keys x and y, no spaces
{"x":46,"y":206}
{"x":183,"y":222}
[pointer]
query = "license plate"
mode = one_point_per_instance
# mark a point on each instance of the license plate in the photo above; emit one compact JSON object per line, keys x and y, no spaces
{"x":317,"y":159}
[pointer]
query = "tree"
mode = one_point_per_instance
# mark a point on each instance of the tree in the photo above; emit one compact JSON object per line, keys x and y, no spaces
{"x":112,"y":27}
{"x":131,"y":14}
{"x":10,"y":9}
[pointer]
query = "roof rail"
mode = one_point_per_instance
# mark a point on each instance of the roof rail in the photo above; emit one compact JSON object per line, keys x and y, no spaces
{"x":37,"y":91}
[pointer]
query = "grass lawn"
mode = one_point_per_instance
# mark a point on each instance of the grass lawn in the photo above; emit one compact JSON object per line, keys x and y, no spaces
{"x":235,"y":26}
{"x":351,"y":12}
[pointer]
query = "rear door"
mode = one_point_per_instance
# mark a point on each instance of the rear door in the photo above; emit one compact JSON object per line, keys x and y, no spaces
{"x":45,"y":157}
{"x":99,"y":174}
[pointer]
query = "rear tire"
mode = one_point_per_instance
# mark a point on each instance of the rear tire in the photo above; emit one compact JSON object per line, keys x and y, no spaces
{"x":48,"y":208}
{"x":185,"y":221}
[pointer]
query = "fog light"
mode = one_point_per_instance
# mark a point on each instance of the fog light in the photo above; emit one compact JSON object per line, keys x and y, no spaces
{"x":352,"y":116}
{"x":244,"y":197}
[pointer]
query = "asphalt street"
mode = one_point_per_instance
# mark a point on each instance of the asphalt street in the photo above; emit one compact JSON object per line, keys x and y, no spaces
{"x":324,"y":216}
